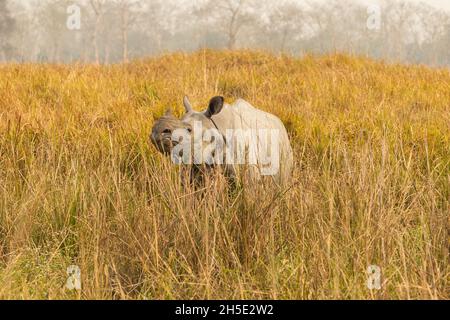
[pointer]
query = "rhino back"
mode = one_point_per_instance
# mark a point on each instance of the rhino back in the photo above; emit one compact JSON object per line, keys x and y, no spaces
{"x":242,"y":115}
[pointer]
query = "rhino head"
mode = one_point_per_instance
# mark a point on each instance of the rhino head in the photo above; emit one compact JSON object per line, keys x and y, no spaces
{"x":164,"y":127}
{"x":161,"y":135}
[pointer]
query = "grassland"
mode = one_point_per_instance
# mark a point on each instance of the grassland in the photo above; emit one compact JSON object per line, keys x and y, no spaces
{"x":80,"y":184}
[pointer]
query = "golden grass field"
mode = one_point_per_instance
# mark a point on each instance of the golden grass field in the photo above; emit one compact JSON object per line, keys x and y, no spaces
{"x":80,"y":183}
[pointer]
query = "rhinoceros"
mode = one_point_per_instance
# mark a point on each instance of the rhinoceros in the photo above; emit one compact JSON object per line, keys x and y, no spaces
{"x":236,"y":136}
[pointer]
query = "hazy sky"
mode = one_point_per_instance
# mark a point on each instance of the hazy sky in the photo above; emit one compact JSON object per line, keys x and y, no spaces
{"x":445,"y":4}
{"x":439,"y":3}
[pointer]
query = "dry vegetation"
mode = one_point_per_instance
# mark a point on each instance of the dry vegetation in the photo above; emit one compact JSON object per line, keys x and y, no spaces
{"x":79,"y":183}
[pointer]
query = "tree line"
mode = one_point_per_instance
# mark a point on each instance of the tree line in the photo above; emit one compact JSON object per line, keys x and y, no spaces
{"x":110,"y":31}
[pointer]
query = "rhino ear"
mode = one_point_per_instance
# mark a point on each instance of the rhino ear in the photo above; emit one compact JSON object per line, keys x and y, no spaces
{"x":215,"y":106}
{"x":187,"y":104}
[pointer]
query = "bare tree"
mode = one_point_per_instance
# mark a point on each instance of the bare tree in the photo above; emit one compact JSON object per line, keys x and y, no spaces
{"x":7,"y":25}
{"x":397,"y":28}
{"x":436,"y":37}
{"x":117,"y":30}
{"x":52,"y":21}
{"x":284,"y":23}
{"x":320,"y":26}
{"x":128,"y":16}
{"x":230,"y":15}
{"x":97,"y":7}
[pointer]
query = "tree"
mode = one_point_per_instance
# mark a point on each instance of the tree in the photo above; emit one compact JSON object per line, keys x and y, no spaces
{"x":230,"y":15}
{"x":52,"y":15}
{"x":7,"y":25}
{"x":285,"y":23}
{"x":163,"y":25}
{"x":398,"y":28}
{"x":436,"y":34}
{"x":127,"y":18}
{"x":97,"y":7}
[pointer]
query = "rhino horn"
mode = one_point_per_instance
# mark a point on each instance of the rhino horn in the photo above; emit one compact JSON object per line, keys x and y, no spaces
{"x":187,"y":104}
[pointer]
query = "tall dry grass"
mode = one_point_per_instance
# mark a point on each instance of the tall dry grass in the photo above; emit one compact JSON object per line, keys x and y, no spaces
{"x":79,"y":183}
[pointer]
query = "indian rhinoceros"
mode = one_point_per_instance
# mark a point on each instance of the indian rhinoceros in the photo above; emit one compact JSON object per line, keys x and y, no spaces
{"x":232,"y":137}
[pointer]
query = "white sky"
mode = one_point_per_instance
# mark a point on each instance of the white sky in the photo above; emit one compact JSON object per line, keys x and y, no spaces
{"x":440,"y":3}
{"x":444,"y":4}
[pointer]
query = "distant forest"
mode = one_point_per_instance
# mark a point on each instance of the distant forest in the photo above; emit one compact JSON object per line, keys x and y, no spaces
{"x":110,"y":31}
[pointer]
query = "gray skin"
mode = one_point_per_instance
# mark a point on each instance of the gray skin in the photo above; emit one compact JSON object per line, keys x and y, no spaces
{"x":161,"y":135}
{"x":221,"y":116}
